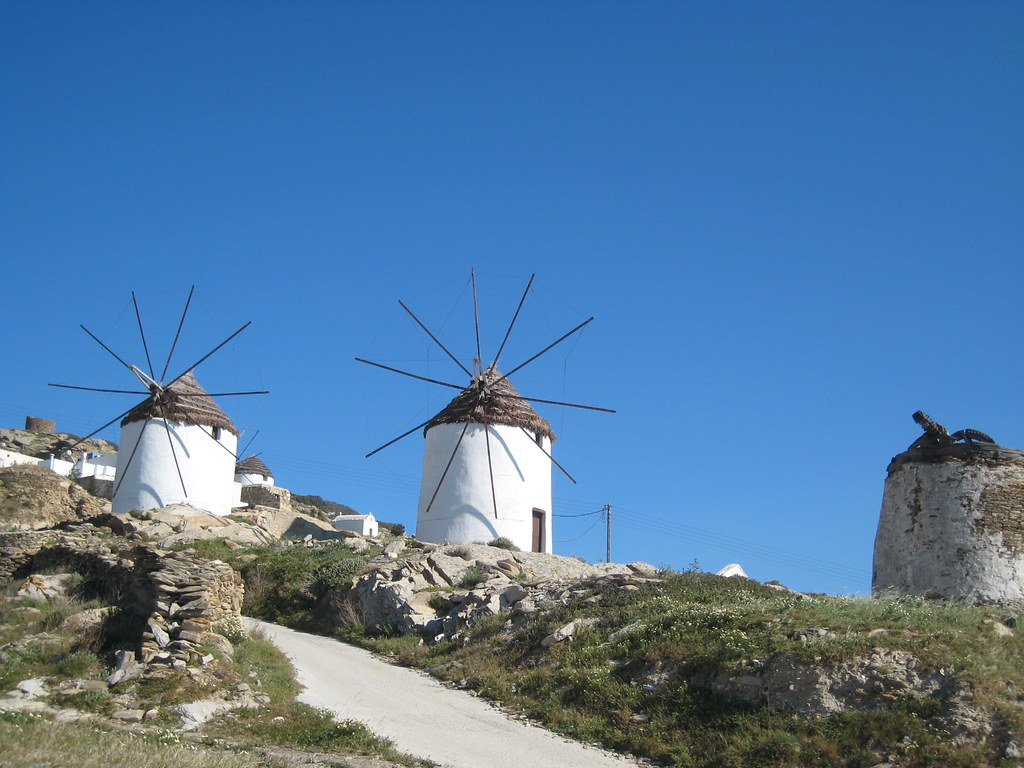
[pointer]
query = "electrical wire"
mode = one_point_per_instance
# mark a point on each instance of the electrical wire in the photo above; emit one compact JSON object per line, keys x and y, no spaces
{"x":565,"y":541}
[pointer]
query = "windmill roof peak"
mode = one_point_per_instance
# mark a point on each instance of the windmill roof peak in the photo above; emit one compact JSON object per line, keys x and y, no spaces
{"x":184,"y":401}
{"x":491,"y":399}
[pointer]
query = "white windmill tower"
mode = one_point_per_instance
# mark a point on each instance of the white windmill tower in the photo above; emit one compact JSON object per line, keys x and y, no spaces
{"x":177,"y":445}
{"x":487,"y":458}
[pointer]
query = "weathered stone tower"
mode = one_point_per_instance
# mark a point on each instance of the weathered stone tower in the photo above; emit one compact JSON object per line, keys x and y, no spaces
{"x":952,"y":520}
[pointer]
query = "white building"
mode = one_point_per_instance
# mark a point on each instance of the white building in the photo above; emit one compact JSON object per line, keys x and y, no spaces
{"x":365,"y":525}
{"x":252,"y":471}
{"x":177,"y":447}
{"x":486,"y":469}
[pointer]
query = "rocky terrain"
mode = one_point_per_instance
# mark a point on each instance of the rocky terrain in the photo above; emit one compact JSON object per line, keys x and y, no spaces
{"x":687,"y":669}
{"x":42,"y":444}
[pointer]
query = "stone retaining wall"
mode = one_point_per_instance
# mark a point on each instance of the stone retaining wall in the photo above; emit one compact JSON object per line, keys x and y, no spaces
{"x":179,"y":598}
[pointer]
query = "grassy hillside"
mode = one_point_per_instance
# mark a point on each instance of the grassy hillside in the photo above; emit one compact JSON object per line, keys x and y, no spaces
{"x":702,"y":671}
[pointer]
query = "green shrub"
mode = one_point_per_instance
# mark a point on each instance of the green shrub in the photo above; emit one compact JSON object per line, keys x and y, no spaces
{"x":473,"y":577}
{"x":503,"y":542}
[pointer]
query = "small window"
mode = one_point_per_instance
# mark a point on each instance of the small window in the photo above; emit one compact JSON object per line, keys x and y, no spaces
{"x":217,"y":431}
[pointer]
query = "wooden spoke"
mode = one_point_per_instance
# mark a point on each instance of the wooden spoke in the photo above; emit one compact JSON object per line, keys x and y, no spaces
{"x":539,"y":447}
{"x":96,"y":339}
{"x":557,"y":402}
{"x":549,"y":346}
{"x":410,"y":375}
{"x":436,"y":341}
{"x":218,"y":442}
{"x":222,"y":394}
{"x":123,"y":473}
{"x":97,"y":431}
{"x":177,"y":333}
{"x":254,"y":436}
{"x":404,"y":434}
{"x":516,"y":315}
{"x":447,"y":467}
{"x":490,"y":468}
{"x":476,"y":322}
{"x":201,"y":359}
{"x":142,"y":333}
{"x":170,"y":442}
{"x":97,"y":389}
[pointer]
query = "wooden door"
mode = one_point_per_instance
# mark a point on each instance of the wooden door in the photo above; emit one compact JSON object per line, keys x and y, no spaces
{"x":538,"y":530}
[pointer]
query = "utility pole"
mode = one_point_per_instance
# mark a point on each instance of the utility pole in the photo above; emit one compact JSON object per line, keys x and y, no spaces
{"x":608,"y":533}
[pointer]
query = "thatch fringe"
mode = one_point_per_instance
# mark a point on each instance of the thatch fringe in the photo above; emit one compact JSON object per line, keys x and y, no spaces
{"x":488,"y":401}
{"x":184,"y":402}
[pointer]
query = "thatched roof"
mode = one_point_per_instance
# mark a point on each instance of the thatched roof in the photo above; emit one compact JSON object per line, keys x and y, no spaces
{"x":253,"y":465}
{"x":185,"y":402}
{"x":488,"y":401}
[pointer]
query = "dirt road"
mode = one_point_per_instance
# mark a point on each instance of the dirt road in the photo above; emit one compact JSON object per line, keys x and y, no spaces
{"x":422,"y":717}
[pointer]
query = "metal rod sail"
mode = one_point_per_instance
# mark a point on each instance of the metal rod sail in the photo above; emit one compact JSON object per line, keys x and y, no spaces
{"x":436,"y":341}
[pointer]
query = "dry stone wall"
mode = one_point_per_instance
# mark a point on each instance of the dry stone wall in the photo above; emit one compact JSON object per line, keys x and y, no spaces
{"x":178,"y":597}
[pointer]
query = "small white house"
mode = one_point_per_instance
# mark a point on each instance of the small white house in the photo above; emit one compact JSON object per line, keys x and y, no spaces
{"x":177,"y":447}
{"x":365,"y":525}
{"x":487,"y":469}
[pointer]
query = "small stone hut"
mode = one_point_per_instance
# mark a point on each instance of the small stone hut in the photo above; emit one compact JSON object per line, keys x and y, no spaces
{"x":952,"y":519}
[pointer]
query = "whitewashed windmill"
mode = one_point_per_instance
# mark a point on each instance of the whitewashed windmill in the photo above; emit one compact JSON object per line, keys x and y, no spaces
{"x":487,"y":459}
{"x":177,"y":445}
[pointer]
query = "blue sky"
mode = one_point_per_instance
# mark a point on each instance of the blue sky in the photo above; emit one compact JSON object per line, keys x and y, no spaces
{"x":796,"y":224}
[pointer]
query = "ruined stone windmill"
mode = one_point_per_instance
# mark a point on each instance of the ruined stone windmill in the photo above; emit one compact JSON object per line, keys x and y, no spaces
{"x":487,"y":458}
{"x":176,"y":445}
{"x":952,"y":519}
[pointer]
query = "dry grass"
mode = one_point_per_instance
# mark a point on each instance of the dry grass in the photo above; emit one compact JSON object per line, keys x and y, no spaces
{"x":32,"y":741}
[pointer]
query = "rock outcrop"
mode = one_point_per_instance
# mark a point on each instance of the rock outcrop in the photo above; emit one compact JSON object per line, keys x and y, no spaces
{"x":438,"y":591}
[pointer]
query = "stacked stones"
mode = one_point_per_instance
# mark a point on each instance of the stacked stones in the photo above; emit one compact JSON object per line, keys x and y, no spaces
{"x":181,"y":596}
{"x":193,"y":596}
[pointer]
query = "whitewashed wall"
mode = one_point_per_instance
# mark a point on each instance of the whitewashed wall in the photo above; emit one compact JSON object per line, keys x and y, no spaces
{"x":463,"y":511}
{"x":250,"y":479}
{"x":11,"y":458}
{"x":952,"y":529}
{"x":152,"y":480}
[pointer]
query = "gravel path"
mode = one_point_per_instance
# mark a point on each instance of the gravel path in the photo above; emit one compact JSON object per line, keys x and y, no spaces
{"x":423,"y":718}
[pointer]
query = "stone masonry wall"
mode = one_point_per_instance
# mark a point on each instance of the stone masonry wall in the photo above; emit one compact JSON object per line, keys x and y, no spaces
{"x":180,"y":598}
{"x":954,"y":529}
